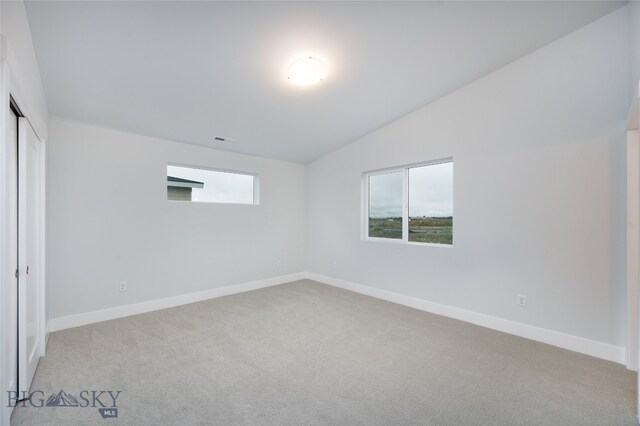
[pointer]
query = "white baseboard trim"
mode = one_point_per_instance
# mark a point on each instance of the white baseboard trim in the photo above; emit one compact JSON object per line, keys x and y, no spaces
{"x":555,"y":338}
{"x":62,"y":323}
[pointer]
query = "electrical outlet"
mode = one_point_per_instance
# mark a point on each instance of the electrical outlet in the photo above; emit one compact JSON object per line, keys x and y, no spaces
{"x":123,"y":286}
{"x":278,"y":263}
{"x":334,"y":264}
{"x":521,"y":300}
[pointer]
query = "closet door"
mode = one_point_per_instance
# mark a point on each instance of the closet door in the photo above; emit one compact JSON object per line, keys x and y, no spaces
{"x":10,"y":305}
{"x":29,"y":295}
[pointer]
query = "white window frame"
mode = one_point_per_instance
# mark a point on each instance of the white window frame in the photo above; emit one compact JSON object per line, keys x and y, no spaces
{"x":405,"y":203}
{"x":256,"y":184}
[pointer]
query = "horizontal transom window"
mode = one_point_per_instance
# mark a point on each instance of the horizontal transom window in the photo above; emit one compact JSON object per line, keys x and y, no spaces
{"x":190,"y":183}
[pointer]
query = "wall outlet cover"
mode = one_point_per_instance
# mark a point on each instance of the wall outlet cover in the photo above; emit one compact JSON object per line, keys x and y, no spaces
{"x":521,"y":300}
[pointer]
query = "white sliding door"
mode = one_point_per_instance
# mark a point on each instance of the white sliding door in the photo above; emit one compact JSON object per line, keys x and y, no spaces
{"x":10,"y":316}
{"x":30,"y":303}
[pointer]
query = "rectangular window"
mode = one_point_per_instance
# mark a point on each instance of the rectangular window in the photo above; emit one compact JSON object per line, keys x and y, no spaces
{"x":385,"y":205}
{"x":411,"y":204}
{"x":190,"y":183}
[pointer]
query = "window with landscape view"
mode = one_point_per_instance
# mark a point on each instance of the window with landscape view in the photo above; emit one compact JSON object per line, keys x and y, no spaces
{"x":411,"y":204}
{"x":185,"y":183}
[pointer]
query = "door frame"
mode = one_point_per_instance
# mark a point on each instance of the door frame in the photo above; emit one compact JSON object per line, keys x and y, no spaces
{"x":633,"y":248}
{"x":633,"y":240}
{"x":14,"y":86}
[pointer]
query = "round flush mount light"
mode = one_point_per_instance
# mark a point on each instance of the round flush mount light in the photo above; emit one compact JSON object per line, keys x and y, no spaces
{"x":306,"y":71}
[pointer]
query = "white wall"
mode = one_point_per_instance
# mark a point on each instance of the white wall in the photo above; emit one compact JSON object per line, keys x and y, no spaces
{"x":18,"y":51}
{"x":634,"y":45}
{"x":539,"y":180}
{"x":109,"y":221}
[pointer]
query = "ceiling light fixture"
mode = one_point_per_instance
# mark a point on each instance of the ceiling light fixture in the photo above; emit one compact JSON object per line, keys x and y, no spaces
{"x":306,"y":71}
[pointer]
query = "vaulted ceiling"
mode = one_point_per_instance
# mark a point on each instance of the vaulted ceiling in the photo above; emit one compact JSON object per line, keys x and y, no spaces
{"x":190,"y":71}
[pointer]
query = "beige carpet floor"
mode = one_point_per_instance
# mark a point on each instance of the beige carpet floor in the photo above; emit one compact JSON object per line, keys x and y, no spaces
{"x":304,"y":353}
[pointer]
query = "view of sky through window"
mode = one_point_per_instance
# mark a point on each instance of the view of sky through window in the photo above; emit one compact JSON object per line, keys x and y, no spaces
{"x":385,"y":195}
{"x":431,"y":190}
{"x":217,"y":186}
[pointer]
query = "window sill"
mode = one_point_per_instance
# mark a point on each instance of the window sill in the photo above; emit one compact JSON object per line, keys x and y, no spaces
{"x":401,"y":242}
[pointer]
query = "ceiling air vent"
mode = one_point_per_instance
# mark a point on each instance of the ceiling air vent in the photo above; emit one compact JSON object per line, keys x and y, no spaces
{"x":221,"y":139}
